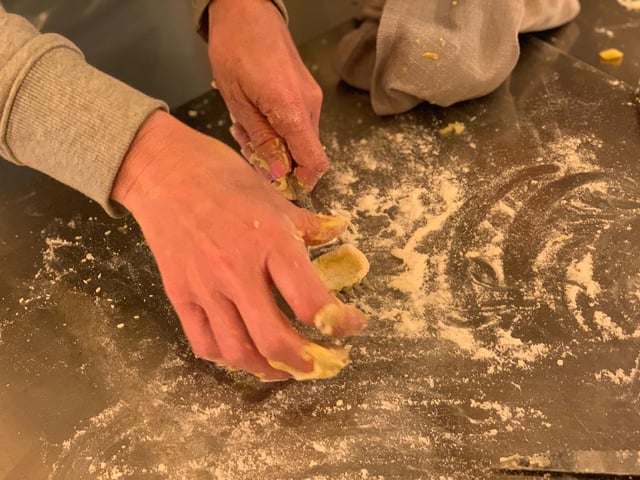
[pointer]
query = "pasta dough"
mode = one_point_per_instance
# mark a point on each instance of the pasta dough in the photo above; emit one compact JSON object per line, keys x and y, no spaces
{"x":342,"y":267}
{"x":327,"y":362}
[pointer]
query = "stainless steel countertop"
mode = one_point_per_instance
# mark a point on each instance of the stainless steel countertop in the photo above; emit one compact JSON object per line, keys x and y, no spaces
{"x":520,"y":335}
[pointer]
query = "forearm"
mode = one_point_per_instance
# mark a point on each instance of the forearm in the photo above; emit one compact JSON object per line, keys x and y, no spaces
{"x":201,"y":19}
{"x":61,"y":116}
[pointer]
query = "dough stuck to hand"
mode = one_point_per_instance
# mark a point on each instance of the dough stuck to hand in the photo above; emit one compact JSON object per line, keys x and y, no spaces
{"x":327,"y":362}
{"x":326,"y":319}
{"x":342,"y":267}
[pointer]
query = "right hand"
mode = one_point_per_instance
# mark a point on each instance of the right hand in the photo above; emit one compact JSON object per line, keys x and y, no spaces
{"x":273,"y":99}
{"x":223,"y":237}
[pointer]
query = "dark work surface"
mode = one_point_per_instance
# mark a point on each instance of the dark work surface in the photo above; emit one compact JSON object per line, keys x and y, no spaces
{"x":503,"y":307}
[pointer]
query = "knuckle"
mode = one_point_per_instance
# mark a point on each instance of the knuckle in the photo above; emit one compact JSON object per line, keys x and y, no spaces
{"x":262,"y":136}
{"x":293,"y":117}
{"x":316,"y":95}
{"x":322,"y":163}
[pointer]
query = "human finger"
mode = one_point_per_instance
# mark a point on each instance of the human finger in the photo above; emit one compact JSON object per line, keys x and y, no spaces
{"x":280,"y":344}
{"x":293,"y":274}
{"x":197,"y":330}
{"x":236,"y":346}
{"x":317,"y":229}
{"x":270,"y":153}
{"x":295,"y":125}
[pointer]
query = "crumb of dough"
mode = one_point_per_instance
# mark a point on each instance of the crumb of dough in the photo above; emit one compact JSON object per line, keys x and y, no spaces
{"x":326,"y":318}
{"x":431,"y":55}
{"x":327,"y":362}
{"x":443,"y":42}
{"x":539,"y":461}
{"x":511,"y":461}
{"x":282,"y":185}
{"x":453,"y":127}
{"x":342,"y":267}
{"x":611,"y":55}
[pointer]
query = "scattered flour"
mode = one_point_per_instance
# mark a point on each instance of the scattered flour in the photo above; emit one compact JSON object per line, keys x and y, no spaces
{"x":200,"y":428}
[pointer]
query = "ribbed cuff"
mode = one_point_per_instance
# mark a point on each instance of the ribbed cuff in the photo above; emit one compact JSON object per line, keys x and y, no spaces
{"x":201,"y":19}
{"x":75,"y":123}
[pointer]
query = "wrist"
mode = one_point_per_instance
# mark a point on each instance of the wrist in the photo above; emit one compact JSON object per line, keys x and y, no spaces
{"x":220,"y":10}
{"x":159,"y":132}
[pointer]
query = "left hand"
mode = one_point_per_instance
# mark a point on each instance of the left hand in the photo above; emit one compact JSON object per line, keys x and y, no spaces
{"x":273,"y":99}
{"x":223,"y":238}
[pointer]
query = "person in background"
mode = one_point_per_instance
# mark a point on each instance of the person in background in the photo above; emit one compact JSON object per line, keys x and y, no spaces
{"x":222,"y":235}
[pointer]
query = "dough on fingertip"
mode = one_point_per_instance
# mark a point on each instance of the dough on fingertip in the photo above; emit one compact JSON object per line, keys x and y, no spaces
{"x":327,"y":362}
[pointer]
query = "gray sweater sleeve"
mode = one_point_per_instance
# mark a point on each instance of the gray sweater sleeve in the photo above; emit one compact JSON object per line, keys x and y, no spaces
{"x":441,"y":51}
{"x":61,"y":116}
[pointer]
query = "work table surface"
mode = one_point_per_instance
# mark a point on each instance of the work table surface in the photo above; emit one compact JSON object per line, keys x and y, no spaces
{"x":503,"y":301}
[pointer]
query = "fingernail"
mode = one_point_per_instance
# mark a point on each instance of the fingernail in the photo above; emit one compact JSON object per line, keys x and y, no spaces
{"x":277,"y":170}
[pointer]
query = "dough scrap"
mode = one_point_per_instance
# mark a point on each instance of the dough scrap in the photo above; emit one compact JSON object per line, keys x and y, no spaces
{"x":611,"y":55}
{"x":327,"y":362}
{"x":453,"y":127}
{"x":327,"y":317}
{"x":342,"y":267}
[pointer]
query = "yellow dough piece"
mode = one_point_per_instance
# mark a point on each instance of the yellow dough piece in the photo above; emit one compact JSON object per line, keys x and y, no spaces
{"x":327,"y":318}
{"x":453,"y":127}
{"x":342,"y":267}
{"x":327,"y":362}
{"x":611,"y":55}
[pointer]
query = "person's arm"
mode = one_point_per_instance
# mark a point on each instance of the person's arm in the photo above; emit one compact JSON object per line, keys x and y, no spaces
{"x":273,"y":100}
{"x":222,"y":236}
{"x":61,"y":116}
{"x":441,"y":51}
{"x":201,"y":15}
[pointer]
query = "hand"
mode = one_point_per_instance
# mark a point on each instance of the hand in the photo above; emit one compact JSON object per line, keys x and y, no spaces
{"x":273,"y":99}
{"x":223,"y":237}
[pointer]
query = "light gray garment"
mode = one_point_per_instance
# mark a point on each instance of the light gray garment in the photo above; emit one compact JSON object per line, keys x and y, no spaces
{"x":476,"y":43}
{"x":61,"y":116}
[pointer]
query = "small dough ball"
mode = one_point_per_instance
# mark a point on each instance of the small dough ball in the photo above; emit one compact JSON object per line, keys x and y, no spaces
{"x":611,"y":55}
{"x":342,"y":267}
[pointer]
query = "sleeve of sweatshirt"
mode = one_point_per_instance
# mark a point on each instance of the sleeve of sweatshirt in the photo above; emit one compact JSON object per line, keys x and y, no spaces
{"x":441,"y":51}
{"x":201,"y":20}
{"x":61,"y":116}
